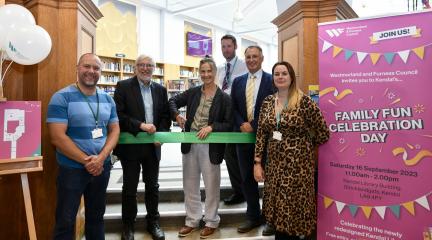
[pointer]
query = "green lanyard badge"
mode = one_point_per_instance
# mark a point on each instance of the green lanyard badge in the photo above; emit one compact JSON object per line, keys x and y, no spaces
{"x":95,"y":116}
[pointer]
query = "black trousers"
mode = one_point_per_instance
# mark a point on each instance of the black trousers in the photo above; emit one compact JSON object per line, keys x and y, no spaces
{"x":245,"y":153}
{"x":146,"y":158}
{"x":233,"y":168}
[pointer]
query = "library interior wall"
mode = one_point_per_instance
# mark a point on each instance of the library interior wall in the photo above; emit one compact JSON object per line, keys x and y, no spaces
{"x":172,"y":38}
{"x":217,"y":53}
{"x":117,"y":30}
{"x":149,"y":26}
{"x":188,"y":27}
{"x":161,"y":35}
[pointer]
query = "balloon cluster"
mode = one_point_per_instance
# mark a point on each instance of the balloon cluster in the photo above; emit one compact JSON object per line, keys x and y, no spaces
{"x":21,"y":39}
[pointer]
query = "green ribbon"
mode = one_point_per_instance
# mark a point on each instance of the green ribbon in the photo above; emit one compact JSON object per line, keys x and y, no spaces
{"x":186,"y":137}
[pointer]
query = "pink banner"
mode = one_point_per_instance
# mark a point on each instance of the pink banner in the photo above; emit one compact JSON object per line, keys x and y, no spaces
{"x":20,"y":133}
{"x":375,"y":172}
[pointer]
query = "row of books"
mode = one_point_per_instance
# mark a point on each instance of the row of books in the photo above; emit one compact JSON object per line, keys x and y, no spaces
{"x":111,"y":66}
{"x":187,"y":73}
{"x":128,"y":68}
{"x":109,"y":78}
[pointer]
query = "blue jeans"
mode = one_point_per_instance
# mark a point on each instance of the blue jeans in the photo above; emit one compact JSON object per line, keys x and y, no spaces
{"x":72,"y":183}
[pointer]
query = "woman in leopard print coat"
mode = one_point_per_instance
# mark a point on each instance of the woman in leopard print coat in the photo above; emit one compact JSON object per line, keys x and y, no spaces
{"x":290,"y":127}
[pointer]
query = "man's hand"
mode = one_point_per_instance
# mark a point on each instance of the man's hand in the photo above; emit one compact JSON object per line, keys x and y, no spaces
{"x":202,"y":134}
{"x":181,"y":121}
{"x":94,"y":164}
{"x":149,"y":128}
{"x":246,"y":127}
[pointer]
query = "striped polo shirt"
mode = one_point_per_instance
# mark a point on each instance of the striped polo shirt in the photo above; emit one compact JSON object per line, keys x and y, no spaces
{"x":70,"y":107}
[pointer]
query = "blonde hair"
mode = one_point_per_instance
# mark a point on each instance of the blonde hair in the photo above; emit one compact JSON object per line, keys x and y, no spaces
{"x":210,"y":61}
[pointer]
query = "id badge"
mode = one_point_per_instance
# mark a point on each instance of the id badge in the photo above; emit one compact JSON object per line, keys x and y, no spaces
{"x":277,"y":135}
{"x":97,"y":133}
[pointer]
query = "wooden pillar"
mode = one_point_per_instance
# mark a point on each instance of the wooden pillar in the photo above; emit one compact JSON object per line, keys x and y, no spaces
{"x":298,"y":34}
{"x":63,"y":20}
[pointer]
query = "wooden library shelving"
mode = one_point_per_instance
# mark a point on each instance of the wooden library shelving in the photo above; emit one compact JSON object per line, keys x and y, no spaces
{"x":113,"y":70}
{"x":187,"y":77}
{"x":175,"y":78}
{"x":158,"y":74}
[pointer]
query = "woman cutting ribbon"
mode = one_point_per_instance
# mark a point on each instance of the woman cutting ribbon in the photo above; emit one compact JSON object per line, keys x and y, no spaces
{"x":208,"y":110}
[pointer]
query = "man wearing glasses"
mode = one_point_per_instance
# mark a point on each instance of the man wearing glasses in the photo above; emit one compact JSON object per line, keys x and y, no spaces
{"x":142,"y":106}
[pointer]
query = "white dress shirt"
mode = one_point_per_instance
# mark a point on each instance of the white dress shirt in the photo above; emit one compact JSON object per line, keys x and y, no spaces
{"x":238,"y":68}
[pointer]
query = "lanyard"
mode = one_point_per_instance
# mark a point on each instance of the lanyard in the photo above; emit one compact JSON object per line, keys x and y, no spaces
{"x":96,"y":116}
{"x":231,"y":70}
{"x":278,"y":113}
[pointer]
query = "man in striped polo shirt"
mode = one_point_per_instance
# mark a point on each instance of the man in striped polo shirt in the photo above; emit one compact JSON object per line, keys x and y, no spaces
{"x":83,"y":126}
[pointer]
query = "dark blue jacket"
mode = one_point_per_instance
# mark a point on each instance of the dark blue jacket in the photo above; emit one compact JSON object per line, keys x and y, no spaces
{"x":238,"y":96}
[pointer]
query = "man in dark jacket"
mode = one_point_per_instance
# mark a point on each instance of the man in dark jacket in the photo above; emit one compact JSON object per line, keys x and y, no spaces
{"x":142,"y":106}
{"x":248,"y":92}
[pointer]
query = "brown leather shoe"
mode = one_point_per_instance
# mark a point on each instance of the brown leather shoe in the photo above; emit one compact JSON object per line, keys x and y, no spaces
{"x":207,"y":232}
{"x":186,"y":230}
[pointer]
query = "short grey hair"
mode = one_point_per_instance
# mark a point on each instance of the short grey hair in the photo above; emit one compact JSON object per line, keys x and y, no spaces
{"x":142,"y":57}
{"x":256,"y":47}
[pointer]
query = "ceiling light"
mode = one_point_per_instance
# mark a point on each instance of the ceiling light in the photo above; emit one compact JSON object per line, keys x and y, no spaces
{"x":238,"y":15}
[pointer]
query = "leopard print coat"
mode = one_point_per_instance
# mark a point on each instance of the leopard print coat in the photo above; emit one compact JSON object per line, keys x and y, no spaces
{"x":289,"y":195}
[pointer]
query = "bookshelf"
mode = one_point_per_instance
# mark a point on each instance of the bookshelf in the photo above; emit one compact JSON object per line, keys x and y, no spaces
{"x":188,"y":72}
{"x":184,"y":77}
{"x":175,"y":86}
{"x":176,"y":78}
{"x":158,"y":74}
{"x":113,"y":70}
{"x":128,"y":68}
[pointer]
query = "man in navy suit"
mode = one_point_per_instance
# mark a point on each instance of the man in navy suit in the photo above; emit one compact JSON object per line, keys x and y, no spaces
{"x":142,"y":106}
{"x":247,"y":93}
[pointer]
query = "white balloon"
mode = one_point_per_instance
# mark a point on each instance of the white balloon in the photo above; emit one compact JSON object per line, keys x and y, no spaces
{"x":13,"y":17}
{"x":28,"y":45}
{"x":5,"y":56}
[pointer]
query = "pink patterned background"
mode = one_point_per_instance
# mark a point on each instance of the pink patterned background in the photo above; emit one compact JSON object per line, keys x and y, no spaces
{"x":395,"y":73}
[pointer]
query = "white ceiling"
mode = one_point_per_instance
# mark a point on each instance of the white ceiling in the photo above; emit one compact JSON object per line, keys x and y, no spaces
{"x":254,"y":22}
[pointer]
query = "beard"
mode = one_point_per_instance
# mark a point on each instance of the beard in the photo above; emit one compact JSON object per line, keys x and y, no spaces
{"x":144,"y":78}
{"x":88,"y":81}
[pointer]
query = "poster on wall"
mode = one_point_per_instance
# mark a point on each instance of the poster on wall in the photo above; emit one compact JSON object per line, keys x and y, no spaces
{"x":375,"y":85}
{"x":198,"y":45}
{"x":20,"y":134}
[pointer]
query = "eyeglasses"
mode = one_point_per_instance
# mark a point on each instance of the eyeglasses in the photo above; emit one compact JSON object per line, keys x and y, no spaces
{"x":147,"y":65}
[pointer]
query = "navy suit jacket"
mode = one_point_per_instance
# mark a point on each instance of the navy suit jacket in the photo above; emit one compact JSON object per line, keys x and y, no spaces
{"x":238,"y":96}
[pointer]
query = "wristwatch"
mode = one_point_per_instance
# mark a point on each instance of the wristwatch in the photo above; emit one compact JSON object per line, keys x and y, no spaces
{"x":257,"y":162}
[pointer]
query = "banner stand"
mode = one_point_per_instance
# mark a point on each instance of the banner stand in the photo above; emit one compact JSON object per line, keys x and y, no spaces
{"x":23,"y":166}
